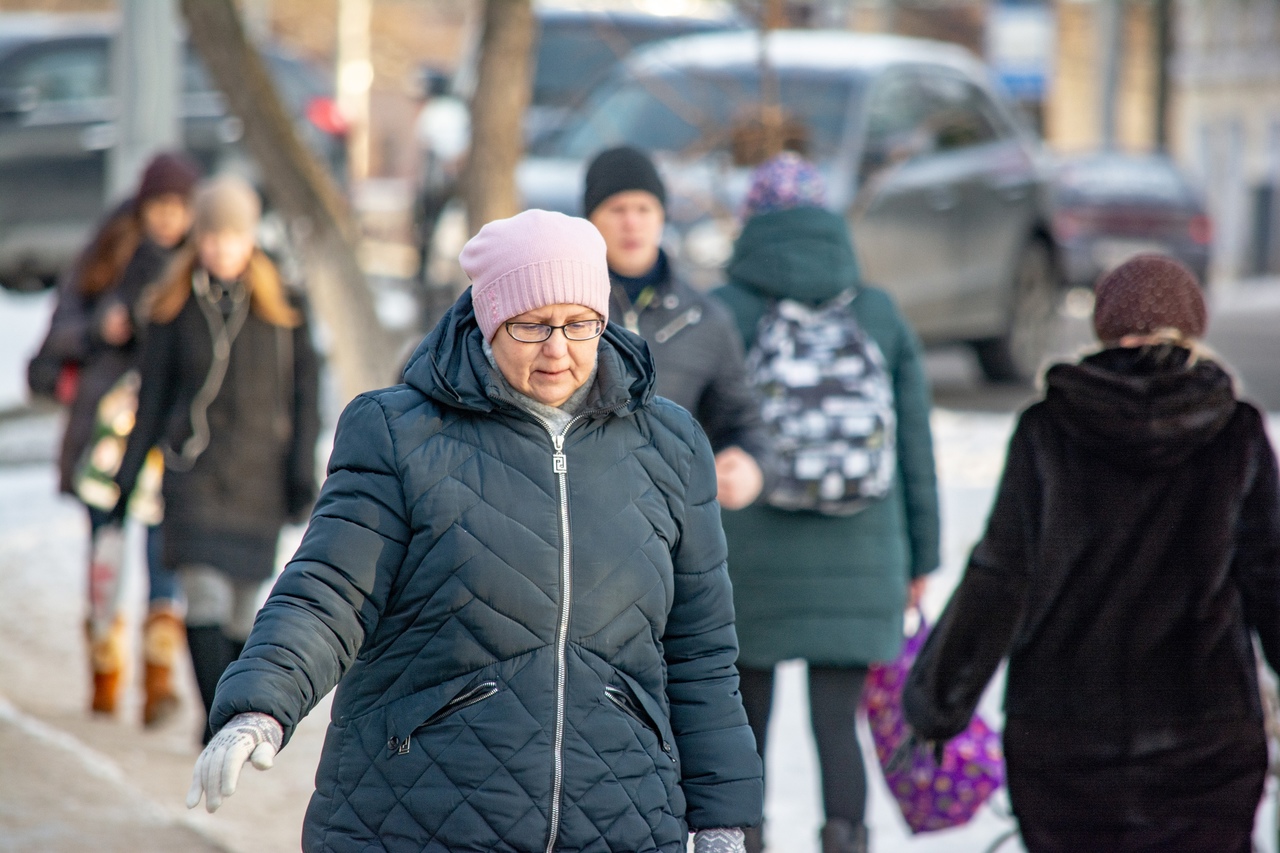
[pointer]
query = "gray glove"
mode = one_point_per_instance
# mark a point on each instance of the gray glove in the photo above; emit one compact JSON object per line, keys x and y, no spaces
{"x":718,"y":841}
{"x":249,"y":737}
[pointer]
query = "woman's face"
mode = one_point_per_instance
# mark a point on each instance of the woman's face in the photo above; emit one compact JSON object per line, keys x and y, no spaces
{"x":551,"y":371}
{"x":631,"y":223}
{"x":166,"y":219}
{"x":225,"y":254}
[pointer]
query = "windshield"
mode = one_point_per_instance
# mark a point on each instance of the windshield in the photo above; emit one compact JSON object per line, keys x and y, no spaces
{"x":572,"y":58}
{"x":698,"y":112}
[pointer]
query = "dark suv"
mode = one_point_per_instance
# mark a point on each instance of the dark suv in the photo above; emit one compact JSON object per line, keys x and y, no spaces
{"x":944,"y":189}
{"x":56,"y":127}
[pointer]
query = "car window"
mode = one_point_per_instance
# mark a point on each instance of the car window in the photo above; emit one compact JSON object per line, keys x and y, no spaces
{"x":65,"y":74}
{"x":569,"y":59}
{"x":896,"y":123}
{"x":959,"y":113}
{"x":699,"y":112}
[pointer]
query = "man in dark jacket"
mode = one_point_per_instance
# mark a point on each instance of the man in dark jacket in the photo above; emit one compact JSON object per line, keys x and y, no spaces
{"x":697,"y":349}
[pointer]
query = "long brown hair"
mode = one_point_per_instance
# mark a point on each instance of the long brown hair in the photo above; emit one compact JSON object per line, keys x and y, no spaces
{"x":106,"y":256}
{"x":267,"y":297}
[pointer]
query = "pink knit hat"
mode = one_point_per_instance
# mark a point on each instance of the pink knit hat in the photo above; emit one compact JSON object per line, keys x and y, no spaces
{"x":533,"y":259}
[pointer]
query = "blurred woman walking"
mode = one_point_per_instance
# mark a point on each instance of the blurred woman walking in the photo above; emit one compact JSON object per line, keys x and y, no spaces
{"x":98,"y":323}
{"x":1131,"y":558}
{"x":229,"y":393}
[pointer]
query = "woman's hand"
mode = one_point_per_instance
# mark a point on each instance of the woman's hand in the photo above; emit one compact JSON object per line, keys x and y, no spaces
{"x":738,"y":478}
{"x":251,"y":737}
{"x":718,"y":841}
{"x":117,"y":328}
{"x":915,"y":591}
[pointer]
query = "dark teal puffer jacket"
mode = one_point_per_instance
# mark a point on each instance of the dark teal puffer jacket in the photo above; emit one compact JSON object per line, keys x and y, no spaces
{"x":528,"y":660}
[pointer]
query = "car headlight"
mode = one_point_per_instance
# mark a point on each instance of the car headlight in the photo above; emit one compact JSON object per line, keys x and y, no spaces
{"x":709,"y":243}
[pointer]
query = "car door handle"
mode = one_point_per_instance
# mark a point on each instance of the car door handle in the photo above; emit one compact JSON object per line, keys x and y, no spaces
{"x":942,"y":199}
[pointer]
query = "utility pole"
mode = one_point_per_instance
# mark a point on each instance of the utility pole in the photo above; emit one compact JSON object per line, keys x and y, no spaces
{"x":146,"y":75}
{"x":1111,"y":36}
{"x":1163,"y":23}
{"x":355,"y":77}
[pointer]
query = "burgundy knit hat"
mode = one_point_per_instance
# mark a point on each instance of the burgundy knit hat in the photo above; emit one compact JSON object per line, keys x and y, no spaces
{"x":1145,"y":294}
{"x":170,"y":172}
{"x":533,"y":259}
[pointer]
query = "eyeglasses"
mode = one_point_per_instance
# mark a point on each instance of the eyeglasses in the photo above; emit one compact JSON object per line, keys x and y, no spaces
{"x":536,"y":333}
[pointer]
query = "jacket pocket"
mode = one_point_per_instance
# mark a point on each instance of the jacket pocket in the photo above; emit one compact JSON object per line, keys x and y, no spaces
{"x":399,"y":741}
{"x":625,"y":701}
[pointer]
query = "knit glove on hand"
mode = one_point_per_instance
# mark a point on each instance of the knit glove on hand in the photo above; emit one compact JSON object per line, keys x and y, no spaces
{"x":718,"y":841}
{"x":250,"y":737}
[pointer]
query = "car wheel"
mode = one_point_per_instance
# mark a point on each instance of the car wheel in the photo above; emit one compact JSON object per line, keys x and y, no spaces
{"x":1019,"y":353}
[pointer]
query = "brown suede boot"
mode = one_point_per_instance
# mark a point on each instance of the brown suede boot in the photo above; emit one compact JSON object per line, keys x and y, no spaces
{"x":753,"y":839}
{"x":162,"y":642}
{"x":106,"y":661}
{"x":841,"y":836}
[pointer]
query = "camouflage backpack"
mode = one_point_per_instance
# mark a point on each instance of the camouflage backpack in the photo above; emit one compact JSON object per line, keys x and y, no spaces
{"x":827,"y":400}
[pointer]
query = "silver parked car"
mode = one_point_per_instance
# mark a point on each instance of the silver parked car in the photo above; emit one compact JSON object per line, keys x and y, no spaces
{"x":945,"y":191}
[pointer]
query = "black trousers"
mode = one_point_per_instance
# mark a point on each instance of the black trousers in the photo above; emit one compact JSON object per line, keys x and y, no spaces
{"x":834,"y":692}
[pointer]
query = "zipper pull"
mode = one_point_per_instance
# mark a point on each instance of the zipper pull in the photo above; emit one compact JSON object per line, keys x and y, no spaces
{"x":559,"y":462}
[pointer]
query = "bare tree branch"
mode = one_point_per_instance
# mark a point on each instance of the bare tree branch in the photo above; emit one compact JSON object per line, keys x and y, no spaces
{"x":363,"y":353}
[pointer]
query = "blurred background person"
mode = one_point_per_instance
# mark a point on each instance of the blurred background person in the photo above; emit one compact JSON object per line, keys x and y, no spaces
{"x":97,"y":324}
{"x":828,"y":588}
{"x":697,"y":350}
{"x":1131,"y":557}
{"x":229,"y":393}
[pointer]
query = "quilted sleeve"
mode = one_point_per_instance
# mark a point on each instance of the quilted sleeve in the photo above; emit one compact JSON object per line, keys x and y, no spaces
{"x":330,"y":595}
{"x":721,"y":772}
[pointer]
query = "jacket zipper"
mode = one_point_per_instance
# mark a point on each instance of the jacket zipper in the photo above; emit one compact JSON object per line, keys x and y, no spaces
{"x":620,"y":698}
{"x":479,"y":693}
{"x":560,"y":466}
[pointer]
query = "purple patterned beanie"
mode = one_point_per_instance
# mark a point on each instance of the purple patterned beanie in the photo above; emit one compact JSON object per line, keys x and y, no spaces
{"x":783,"y":182}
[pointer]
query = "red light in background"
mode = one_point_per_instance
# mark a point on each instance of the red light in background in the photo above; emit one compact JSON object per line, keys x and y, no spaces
{"x":1200,"y":230}
{"x":325,"y":114}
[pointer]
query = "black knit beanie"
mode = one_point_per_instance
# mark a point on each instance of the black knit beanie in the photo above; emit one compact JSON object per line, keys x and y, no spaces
{"x":618,"y":170}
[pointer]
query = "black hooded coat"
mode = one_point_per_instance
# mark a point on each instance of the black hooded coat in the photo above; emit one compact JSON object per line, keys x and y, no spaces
{"x":532,"y":651}
{"x":1131,"y":558}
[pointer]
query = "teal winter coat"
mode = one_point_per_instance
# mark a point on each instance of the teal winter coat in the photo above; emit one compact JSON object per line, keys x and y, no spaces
{"x":824,"y":588}
{"x":531,"y":634}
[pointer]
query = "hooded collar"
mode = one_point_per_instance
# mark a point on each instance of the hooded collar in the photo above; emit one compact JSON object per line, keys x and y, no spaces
{"x":802,"y":254}
{"x":1143,"y":408}
{"x":450,"y":367}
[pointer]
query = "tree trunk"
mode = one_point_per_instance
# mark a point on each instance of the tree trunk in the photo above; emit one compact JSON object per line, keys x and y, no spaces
{"x":362,"y":352}
{"x":502,"y":92}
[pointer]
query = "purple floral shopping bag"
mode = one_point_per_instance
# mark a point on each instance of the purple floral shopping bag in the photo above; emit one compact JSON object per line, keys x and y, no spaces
{"x":931,"y":795}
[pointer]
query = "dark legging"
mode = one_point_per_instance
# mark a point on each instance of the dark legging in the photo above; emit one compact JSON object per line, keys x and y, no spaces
{"x":833,"y":708}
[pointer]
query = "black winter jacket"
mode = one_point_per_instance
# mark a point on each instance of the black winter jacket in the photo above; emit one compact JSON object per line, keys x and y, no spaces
{"x":258,"y":469}
{"x":525,"y":660}
{"x":1132,"y":553}
{"x":699,"y":359}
